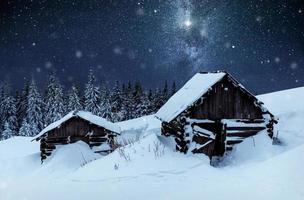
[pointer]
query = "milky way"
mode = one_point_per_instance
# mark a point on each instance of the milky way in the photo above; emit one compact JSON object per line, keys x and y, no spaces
{"x":259,"y":42}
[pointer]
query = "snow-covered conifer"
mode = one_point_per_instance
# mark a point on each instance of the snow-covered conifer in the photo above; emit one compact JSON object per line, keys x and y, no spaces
{"x":105,"y":107}
{"x":7,"y":131}
{"x":165,"y":93}
{"x":34,"y":114}
{"x":22,"y":104}
{"x":173,"y":89}
{"x":74,"y":99}
{"x":127,"y":102}
{"x":116,"y":103}
{"x":157,"y":99}
{"x":54,"y":106}
{"x":25,"y":129}
{"x":9,"y":113}
{"x":92,"y":95}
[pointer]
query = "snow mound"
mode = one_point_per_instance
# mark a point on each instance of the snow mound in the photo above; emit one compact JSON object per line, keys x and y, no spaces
{"x":252,"y":150}
{"x":66,"y":159}
{"x":151,"y":156}
{"x":134,"y":129}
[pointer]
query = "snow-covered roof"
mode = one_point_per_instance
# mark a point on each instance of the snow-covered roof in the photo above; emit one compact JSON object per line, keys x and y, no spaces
{"x":99,"y":121}
{"x":196,"y":87}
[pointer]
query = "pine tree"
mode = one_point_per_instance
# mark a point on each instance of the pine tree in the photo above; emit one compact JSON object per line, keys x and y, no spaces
{"x":33,"y":117}
{"x":8,"y":131}
{"x":105,"y":107}
{"x":25,"y":129}
{"x":127,"y":102}
{"x":4,"y":93}
{"x":22,"y":104}
{"x":157,"y":100}
{"x":74,"y":99}
{"x":9,"y":116}
{"x":173,"y":89}
{"x":145,"y":105}
{"x":139,"y":99}
{"x":54,"y":107}
{"x":150,"y":108}
{"x":92,"y":95}
{"x":165,"y":93}
{"x":7,"y":109}
{"x":2,"y":96}
{"x":116,"y":103}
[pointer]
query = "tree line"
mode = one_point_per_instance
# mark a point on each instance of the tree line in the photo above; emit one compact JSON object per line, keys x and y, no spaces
{"x":26,"y":112}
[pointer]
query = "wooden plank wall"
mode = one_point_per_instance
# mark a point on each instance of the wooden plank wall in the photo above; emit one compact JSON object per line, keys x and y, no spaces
{"x":226,"y":101}
{"x":73,"y":130}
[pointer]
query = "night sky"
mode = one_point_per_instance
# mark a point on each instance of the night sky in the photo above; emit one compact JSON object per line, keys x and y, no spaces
{"x":260,"y":42}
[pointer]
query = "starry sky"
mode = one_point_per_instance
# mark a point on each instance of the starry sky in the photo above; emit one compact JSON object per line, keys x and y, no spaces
{"x":260,"y":42}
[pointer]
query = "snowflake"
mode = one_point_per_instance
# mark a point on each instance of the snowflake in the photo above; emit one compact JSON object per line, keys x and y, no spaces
{"x":78,"y":54}
{"x":293,"y":65}
{"x":48,"y":65}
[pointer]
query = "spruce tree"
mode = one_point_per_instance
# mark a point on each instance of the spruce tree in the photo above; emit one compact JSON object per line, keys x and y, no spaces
{"x":144,"y":106}
{"x":22,"y":104}
{"x":74,"y":99}
{"x":157,"y":100}
{"x":127,"y":102}
{"x":34,"y":113}
{"x":92,"y":95}
{"x":25,"y":129}
{"x":9,"y":114}
{"x":54,"y":107}
{"x":116,"y":103}
{"x":137,"y":98}
{"x":105,"y":107}
{"x":150,"y":108}
{"x":165,"y":93}
{"x":173,"y":89}
{"x":1,"y":108}
{"x":7,"y":108}
{"x":8,"y":131}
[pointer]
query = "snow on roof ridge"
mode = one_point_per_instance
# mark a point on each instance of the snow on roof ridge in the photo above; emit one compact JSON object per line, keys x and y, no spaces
{"x":88,"y":116}
{"x":196,"y":87}
{"x":213,"y":72}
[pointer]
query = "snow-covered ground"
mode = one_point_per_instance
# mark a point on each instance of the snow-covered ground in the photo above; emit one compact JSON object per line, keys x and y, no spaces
{"x":149,"y":168}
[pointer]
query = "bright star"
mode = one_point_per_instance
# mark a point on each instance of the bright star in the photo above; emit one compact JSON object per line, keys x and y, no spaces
{"x":188,"y":23}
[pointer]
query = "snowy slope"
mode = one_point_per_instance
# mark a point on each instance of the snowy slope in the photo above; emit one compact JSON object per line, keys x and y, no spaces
{"x":17,"y":147}
{"x":149,"y":168}
{"x":284,"y":101}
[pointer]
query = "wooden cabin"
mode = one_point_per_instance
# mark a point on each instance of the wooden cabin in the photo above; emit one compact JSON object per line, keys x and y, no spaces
{"x":78,"y":126}
{"x":211,"y":113}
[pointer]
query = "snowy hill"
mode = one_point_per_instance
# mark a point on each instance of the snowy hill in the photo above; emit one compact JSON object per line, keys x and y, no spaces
{"x":149,"y":168}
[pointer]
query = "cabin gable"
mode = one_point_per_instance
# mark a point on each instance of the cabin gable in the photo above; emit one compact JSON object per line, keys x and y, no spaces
{"x":226,"y":100}
{"x":76,"y":126}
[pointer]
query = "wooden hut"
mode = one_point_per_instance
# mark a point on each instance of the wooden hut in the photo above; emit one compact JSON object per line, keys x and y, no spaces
{"x":78,"y":126}
{"x":211,"y":113}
